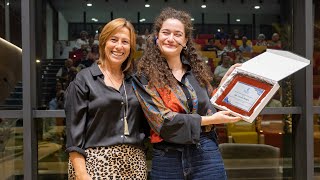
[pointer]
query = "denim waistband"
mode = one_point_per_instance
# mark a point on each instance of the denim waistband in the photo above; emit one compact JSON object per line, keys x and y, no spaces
{"x":166,"y":146}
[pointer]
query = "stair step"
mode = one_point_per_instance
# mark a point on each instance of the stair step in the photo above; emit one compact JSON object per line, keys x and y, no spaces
{"x":13,"y":101}
{"x":10,"y":107}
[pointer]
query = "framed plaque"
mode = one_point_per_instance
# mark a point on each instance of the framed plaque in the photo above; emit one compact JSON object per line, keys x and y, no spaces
{"x":243,"y":94}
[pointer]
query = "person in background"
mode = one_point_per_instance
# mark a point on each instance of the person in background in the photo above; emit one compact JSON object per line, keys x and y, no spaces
{"x":93,"y":55}
{"x":212,"y":45}
{"x":235,"y":35}
{"x":222,"y":67}
{"x":83,"y":62}
{"x":245,"y":47}
{"x":71,"y":75}
{"x":141,"y":44}
{"x":173,"y":87}
{"x":276,"y":100}
{"x":275,"y":42}
{"x":229,"y":47}
{"x":62,"y":74}
{"x":221,"y":35}
{"x":261,"y":40}
{"x":82,"y":42}
{"x":58,"y":101}
{"x":105,"y":122}
{"x":239,"y":57}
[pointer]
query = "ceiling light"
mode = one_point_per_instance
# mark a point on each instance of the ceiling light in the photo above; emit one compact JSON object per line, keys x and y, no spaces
{"x":238,"y":20}
{"x":94,"y":19}
{"x":192,"y":19}
{"x":147,"y":5}
{"x":8,"y":3}
{"x":218,"y":30}
{"x":203,"y":6}
{"x":142,"y":20}
{"x":89,"y":4}
{"x":257,"y":7}
{"x":38,"y":61}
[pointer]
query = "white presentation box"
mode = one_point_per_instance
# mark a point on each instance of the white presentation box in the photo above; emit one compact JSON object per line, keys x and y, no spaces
{"x":250,"y":87}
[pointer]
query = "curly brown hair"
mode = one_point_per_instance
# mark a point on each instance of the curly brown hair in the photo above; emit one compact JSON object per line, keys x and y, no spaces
{"x":155,"y":67}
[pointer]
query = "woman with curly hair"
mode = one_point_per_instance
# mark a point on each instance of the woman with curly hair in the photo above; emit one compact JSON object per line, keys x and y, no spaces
{"x":173,"y":88}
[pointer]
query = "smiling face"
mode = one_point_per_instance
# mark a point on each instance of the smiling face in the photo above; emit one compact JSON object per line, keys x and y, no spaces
{"x":171,"y":38}
{"x":117,"y":47}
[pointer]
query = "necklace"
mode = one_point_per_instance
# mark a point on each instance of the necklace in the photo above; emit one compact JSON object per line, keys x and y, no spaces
{"x":113,"y":84}
{"x":125,"y":101}
{"x":126,"y":128}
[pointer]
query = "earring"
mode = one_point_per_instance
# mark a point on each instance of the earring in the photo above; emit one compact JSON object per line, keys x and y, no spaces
{"x":185,"y":48}
{"x":155,"y":40}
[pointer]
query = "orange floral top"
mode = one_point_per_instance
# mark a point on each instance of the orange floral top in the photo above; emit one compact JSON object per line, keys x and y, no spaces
{"x":174,"y":114}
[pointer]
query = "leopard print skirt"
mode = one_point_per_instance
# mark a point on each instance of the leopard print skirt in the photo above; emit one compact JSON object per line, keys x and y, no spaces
{"x":114,"y":162}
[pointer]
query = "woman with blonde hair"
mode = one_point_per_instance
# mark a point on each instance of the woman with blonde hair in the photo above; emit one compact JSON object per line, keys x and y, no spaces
{"x":105,"y":123}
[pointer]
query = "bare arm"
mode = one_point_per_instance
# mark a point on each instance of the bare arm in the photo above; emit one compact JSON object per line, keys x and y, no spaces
{"x":219,"y":117}
{"x":79,"y":165}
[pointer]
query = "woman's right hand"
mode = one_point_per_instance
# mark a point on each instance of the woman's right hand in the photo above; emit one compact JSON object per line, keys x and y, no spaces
{"x":220,"y":117}
{"x":83,"y":176}
{"x":79,"y":165}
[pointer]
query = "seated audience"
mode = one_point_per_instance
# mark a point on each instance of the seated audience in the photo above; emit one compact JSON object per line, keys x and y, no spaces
{"x":62,"y":73}
{"x":141,"y":44}
{"x":82,"y":42}
{"x":222,"y":68}
{"x":245,"y":47}
{"x":220,"y":35}
{"x":229,"y":47}
{"x":91,"y":42}
{"x":275,"y":42}
{"x":239,"y":57}
{"x":84,"y":62}
{"x":261,"y":40}
{"x":275,"y":101}
{"x":212,"y":45}
{"x":93,"y":55}
{"x":235,"y":35}
{"x":146,"y":34}
{"x":71,"y":75}
{"x":58,"y":101}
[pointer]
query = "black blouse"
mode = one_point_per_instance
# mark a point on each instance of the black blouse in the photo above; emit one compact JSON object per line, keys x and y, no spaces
{"x":174,"y":114}
{"x":95,"y":112}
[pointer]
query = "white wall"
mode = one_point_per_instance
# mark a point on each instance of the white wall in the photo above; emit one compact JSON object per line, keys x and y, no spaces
{"x":49,"y":24}
{"x":63,"y":27}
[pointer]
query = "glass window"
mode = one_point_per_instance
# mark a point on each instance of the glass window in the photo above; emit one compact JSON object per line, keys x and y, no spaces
{"x":11,"y":129}
{"x":52,"y":159}
{"x":10,"y":49}
{"x":266,"y":24}
{"x":11,"y":148}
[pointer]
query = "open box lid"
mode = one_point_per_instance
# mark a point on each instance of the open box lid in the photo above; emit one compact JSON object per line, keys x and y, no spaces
{"x":275,"y":64}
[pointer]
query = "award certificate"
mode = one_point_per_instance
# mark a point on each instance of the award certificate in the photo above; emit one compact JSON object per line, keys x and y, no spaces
{"x":243,"y":96}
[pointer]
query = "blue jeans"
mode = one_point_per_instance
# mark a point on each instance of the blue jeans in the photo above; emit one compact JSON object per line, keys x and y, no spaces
{"x":201,"y":161}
